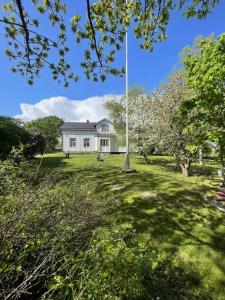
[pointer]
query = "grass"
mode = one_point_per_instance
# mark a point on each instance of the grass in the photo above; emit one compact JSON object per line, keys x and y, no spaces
{"x":164,"y":206}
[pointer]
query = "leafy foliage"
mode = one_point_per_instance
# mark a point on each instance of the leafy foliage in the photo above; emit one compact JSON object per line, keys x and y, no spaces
{"x":48,"y":127}
{"x":56,"y":242}
{"x":204,"y":64}
{"x":118,"y":266}
{"x":43,"y":226}
{"x":116,"y":109}
{"x":102,"y":30}
{"x":180,"y":142}
{"x":155,"y":122}
{"x":13,"y":134}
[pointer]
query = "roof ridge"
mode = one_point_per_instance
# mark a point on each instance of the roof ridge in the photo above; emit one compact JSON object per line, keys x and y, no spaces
{"x":79,"y":122}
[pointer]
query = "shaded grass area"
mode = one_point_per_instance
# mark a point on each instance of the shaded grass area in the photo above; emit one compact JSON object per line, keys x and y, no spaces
{"x":162,"y":205}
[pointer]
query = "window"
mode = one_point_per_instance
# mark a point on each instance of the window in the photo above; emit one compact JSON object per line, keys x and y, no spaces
{"x":72,"y":142}
{"x":105,"y":128}
{"x":104,"y":142}
{"x":86,"y":142}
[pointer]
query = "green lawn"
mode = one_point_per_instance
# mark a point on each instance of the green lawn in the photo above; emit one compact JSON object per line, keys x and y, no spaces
{"x":162,"y":205}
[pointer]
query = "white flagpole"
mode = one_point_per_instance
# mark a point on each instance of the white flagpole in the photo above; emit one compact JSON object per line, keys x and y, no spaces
{"x":127,"y":158}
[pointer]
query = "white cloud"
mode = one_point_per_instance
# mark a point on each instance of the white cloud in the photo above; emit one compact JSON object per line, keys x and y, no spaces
{"x":69,"y":110}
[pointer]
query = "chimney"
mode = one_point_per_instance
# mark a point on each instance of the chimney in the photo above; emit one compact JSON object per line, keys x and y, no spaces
{"x":87,"y":121}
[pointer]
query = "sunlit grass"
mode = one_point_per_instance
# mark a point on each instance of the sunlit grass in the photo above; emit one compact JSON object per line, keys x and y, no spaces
{"x":162,"y":205}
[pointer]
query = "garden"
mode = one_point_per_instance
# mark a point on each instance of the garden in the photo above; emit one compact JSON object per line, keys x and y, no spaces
{"x":79,"y":226}
{"x":147,"y":235}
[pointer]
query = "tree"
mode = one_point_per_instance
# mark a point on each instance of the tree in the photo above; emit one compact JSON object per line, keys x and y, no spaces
{"x":143,"y":123}
{"x":116,"y":109}
{"x":179,"y":140}
{"x":117,"y":114}
{"x":156,"y":124}
{"x":48,"y":127}
{"x":102,"y":30}
{"x":13,"y":134}
{"x":204,"y":64}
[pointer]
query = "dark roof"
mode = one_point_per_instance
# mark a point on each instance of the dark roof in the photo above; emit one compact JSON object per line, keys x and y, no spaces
{"x":79,"y":126}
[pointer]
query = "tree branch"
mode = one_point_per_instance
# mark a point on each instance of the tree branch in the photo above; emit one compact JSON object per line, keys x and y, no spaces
{"x":24,"y":26}
{"x":93,"y":32}
{"x":29,"y":30}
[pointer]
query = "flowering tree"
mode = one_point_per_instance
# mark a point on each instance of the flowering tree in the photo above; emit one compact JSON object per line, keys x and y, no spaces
{"x":156,"y":124}
{"x":144,"y":123}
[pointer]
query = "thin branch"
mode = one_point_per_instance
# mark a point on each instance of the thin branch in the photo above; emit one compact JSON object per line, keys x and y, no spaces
{"x":29,"y":30}
{"x":24,"y":25}
{"x":93,"y":31}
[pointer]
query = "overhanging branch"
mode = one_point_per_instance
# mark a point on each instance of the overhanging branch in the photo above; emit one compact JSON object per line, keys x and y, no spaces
{"x":93,"y":32}
{"x":24,"y":26}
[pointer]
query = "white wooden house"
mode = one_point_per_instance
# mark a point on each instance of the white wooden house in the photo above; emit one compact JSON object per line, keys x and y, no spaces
{"x":90,"y":137}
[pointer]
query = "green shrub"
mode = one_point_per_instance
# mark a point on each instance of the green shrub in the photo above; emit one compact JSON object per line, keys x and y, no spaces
{"x":56,"y":245}
{"x":111,"y":268}
{"x":117,"y":266}
{"x":42,"y":226}
{"x":14,"y":134}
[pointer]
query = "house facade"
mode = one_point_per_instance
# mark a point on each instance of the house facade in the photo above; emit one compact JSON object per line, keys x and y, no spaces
{"x":90,"y":137}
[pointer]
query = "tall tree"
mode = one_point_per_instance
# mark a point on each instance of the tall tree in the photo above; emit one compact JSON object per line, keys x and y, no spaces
{"x":156,"y":124}
{"x":172,"y":128}
{"x":162,"y":126}
{"x":13,"y":134}
{"x":48,"y":127}
{"x":204,"y":63}
{"x":101,"y":25}
{"x":143,"y":123}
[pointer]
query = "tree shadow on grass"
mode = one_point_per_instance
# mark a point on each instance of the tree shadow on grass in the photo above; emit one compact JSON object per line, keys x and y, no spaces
{"x":53,"y":162}
{"x":173,"y":214}
{"x":109,"y":179}
{"x":170,"y":166}
{"x":178,"y":220}
{"x":176,"y":216}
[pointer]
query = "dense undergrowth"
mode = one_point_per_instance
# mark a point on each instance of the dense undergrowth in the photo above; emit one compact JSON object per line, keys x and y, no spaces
{"x":58,"y":242}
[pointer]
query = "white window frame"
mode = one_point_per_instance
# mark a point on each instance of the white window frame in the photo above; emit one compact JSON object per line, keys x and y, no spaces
{"x":72,"y":142}
{"x":105,"y":128}
{"x":86,"y":142}
{"x":104,"y":142}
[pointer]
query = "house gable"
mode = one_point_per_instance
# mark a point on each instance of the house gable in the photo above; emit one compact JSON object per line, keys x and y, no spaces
{"x":105,"y":126}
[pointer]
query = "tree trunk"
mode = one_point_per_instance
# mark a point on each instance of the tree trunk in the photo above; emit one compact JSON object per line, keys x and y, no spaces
{"x":185,"y":168}
{"x":200,"y":156}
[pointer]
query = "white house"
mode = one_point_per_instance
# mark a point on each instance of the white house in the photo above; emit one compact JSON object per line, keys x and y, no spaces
{"x":90,"y":137}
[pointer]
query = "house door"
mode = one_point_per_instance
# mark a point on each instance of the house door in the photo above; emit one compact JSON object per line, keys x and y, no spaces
{"x":104,"y":145}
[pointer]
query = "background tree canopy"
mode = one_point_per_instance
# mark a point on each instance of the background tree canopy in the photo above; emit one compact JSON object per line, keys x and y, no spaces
{"x":48,"y":127}
{"x":101,"y":27}
{"x":13,"y":134}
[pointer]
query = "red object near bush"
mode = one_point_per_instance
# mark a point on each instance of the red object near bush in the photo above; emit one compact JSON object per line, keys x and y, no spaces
{"x":221,"y":198}
{"x":221,"y":189}
{"x":221,"y":194}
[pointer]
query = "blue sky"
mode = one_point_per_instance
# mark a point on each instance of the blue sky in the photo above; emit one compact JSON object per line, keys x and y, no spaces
{"x":145,"y":69}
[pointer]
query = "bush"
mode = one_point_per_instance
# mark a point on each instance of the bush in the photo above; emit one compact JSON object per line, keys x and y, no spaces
{"x":118,"y":266}
{"x":56,"y":245}
{"x":13,"y":134}
{"x":111,"y":268}
{"x":42,"y":226}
